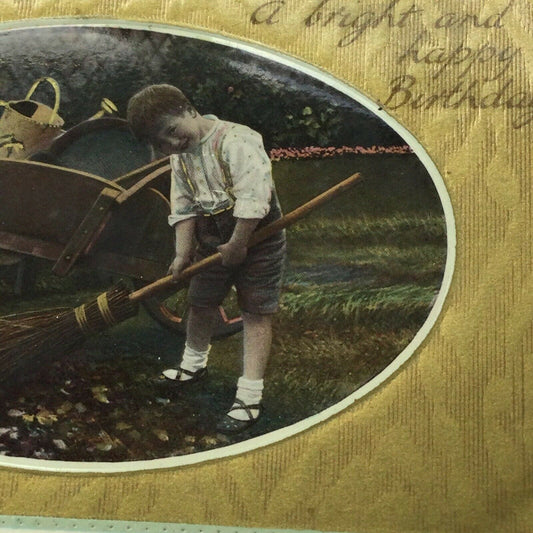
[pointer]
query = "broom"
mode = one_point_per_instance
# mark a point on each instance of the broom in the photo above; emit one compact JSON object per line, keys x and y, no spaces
{"x":39,"y":338}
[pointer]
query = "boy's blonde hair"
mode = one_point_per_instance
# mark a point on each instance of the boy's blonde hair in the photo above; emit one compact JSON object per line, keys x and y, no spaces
{"x":151,"y":103}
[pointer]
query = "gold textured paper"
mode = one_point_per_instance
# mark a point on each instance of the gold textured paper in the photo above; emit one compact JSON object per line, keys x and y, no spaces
{"x":446,"y":444}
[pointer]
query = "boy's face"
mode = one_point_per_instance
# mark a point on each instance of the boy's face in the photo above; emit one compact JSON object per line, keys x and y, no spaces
{"x":174,"y":134}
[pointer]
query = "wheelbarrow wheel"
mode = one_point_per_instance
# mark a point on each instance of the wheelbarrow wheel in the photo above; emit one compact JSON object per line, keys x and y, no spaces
{"x":171,"y":312}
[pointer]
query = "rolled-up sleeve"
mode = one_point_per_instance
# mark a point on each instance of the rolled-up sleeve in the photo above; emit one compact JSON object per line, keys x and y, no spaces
{"x":182,"y":204}
{"x":251,"y":173}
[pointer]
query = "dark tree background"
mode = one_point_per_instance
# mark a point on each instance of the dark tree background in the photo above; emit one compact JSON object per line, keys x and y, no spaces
{"x":289,"y":108}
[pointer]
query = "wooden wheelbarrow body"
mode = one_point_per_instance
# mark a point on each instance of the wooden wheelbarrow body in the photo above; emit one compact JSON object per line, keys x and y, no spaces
{"x":72,"y":217}
{"x":93,"y":198}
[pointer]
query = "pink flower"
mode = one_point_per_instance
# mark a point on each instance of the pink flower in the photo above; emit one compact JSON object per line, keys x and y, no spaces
{"x":317,"y":152}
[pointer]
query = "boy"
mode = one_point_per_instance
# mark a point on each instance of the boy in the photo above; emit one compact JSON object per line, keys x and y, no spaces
{"x":221,"y":191}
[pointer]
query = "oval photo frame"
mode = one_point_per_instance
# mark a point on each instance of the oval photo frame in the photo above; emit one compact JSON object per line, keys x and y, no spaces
{"x":362,"y":276}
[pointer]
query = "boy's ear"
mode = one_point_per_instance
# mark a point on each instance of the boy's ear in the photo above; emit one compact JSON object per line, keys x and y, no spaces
{"x":192,"y":111}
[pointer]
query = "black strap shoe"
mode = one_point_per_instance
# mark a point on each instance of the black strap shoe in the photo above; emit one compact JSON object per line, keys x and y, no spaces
{"x":230,"y":426}
{"x":174,"y":375}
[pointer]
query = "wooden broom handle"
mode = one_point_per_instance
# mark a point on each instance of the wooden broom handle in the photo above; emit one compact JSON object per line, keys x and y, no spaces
{"x":257,"y":236}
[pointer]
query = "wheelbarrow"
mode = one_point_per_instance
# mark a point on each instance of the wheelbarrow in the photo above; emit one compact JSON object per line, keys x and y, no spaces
{"x":95,"y":199}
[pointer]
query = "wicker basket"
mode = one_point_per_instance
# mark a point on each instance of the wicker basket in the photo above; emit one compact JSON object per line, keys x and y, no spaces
{"x":27,"y":126}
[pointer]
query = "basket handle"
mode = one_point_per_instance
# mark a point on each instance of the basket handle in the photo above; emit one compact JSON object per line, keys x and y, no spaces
{"x":57,"y":92}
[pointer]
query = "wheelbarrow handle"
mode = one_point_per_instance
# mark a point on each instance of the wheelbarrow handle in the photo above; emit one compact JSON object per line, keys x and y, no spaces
{"x":258,"y":236}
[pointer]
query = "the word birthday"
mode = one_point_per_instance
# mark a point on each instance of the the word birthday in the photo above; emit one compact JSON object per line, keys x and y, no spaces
{"x":404,"y":92}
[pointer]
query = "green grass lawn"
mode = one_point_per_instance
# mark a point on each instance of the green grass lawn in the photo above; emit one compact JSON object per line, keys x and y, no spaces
{"x":392,"y":184}
{"x":361,"y":277}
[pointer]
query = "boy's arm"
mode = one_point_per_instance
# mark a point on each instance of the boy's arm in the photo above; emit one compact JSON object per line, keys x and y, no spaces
{"x":235,"y":250}
{"x":184,"y":246}
{"x":250,"y":173}
{"x":251,"y":178}
{"x":183,"y":218}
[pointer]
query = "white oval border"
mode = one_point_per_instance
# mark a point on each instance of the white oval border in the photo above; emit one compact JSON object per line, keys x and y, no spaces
{"x":401,"y":358}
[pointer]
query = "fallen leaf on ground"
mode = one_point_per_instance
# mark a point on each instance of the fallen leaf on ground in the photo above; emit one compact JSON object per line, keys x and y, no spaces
{"x":41,"y":454}
{"x":80,"y":408}
{"x":185,"y":451}
{"x":45,"y":417}
{"x":99,"y":393}
{"x":65,"y":408}
{"x":208,"y":441}
{"x":104,"y":442}
{"x":161,"y":434}
{"x":135,"y":435}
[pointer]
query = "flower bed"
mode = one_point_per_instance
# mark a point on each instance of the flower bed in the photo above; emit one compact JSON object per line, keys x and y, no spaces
{"x":318,"y":152}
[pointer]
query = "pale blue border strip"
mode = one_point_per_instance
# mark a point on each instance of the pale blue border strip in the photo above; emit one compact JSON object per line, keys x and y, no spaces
{"x":20,"y":524}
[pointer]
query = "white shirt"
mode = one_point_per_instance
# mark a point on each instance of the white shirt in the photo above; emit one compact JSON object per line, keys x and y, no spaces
{"x":229,"y":166}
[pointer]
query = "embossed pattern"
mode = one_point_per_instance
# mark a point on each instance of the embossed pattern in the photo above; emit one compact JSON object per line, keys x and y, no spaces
{"x":444,"y":446}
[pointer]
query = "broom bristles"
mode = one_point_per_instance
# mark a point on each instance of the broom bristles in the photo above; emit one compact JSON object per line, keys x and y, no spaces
{"x":40,"y":339}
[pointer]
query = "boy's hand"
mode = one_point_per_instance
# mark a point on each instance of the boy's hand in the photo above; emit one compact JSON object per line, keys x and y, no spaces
{"x":178,"y":265}
{"x":232,"y":254}
{"x":235,"y":250}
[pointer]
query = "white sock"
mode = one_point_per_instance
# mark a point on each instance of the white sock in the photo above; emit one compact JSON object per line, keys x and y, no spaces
{"x":250,"y":392}
{"x":192,"y":360}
